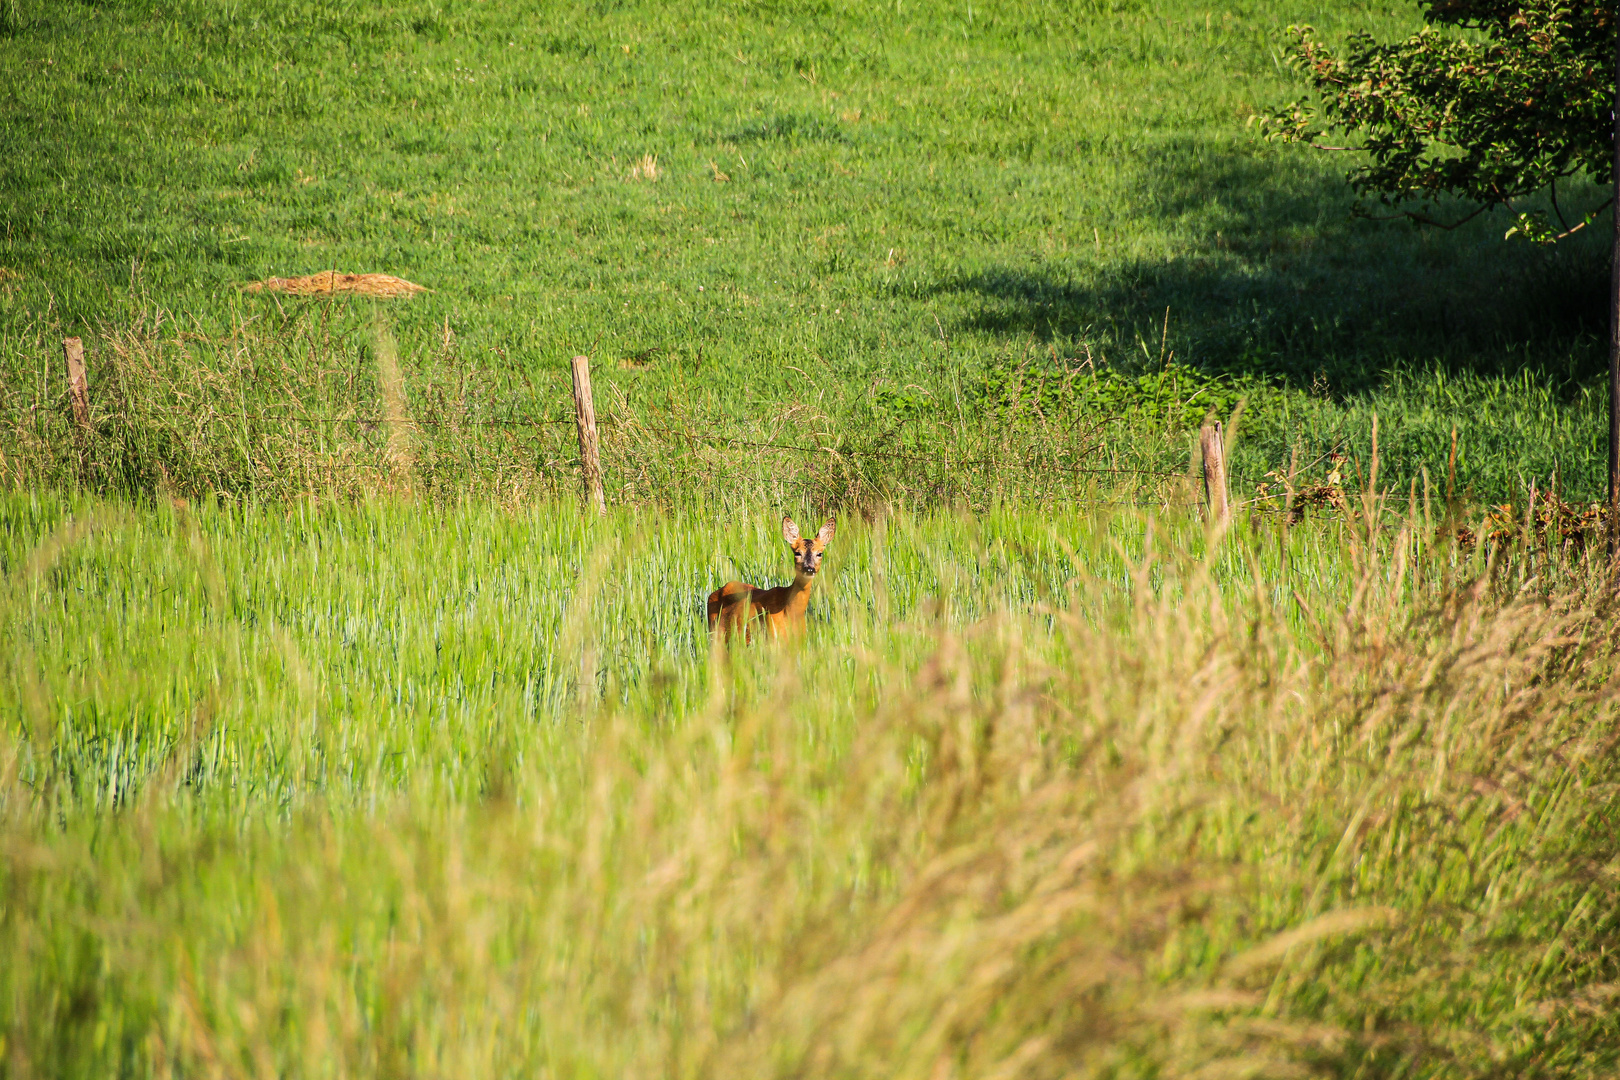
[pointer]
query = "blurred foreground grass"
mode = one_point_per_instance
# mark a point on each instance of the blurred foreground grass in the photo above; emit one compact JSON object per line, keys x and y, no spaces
{"x":316,"y":790}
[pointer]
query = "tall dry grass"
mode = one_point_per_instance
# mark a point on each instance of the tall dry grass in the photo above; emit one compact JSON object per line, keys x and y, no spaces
{"x":1198,"y":825}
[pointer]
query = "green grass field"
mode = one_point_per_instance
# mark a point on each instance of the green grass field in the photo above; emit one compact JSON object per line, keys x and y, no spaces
{"x":877,"y":222}
{"x":335,"y":741}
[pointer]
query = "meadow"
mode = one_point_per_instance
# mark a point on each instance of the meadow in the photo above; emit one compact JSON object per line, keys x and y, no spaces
{"x":876,"y":224}
{"x":335,"y":740}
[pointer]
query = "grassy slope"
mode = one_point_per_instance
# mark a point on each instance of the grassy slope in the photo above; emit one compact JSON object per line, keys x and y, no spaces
{"x":914,"y":192}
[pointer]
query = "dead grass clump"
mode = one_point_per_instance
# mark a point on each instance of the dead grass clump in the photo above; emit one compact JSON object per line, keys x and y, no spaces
{"x":395,"y":414}
{"x":1552,"y":521}
{"x":646,"y":169}
{"x":330,"y":281}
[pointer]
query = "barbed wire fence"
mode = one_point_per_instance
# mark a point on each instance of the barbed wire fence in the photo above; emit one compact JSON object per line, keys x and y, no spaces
{"x":197,"y":444}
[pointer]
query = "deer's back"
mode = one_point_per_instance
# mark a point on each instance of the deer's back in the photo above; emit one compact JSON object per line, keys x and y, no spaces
{"x":731,"y":602}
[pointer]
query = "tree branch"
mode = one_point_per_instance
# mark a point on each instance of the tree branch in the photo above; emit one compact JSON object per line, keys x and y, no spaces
{"x":1587,"y":221}
{"x":1424,"y":219}
{"x":1552,"y":192}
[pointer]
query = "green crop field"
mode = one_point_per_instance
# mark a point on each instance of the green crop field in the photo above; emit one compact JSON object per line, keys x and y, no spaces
{"x":335,"y":740}
{"x":393,"y":790}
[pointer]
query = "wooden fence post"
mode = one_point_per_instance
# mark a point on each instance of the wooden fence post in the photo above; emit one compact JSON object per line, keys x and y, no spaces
{"x":590,"y":460}
{"x":1214,"y":451}
{"x":78,"y":385}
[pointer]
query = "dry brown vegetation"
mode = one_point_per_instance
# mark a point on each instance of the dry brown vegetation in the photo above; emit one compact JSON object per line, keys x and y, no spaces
{"x":384,"y":286}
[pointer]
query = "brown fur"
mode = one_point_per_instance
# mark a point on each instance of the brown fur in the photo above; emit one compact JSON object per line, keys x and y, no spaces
{"x":739,"y":606}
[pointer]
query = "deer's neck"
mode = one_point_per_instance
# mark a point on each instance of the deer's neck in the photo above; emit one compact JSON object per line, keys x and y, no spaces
{"x":799,"y":596}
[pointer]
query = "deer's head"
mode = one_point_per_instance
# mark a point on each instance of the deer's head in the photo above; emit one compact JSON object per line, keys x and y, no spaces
{"x":806,"y":552}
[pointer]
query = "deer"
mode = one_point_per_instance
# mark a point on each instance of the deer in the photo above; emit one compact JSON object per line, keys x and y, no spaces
{"x":738,"y":605}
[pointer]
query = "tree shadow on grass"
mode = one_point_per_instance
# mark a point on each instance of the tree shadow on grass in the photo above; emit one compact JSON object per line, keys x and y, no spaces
{"x":1274,"y":277}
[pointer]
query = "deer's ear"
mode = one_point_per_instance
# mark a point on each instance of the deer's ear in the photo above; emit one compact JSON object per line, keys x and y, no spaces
{"x":790,"y":531}
{"x":826,"y":534}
